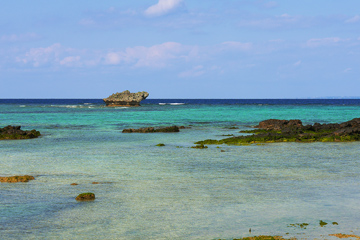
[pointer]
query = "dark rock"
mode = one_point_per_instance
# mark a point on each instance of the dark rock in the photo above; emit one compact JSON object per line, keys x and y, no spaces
{"x":85,"y":197}
{"x":275,"y":124}
{"x":125,"y":99}
{"x":15,"y":179}
{"x":14,"y":132}
{"x":152,"y":130}
{"x":200,"y":146}
{"x":274,"y":130}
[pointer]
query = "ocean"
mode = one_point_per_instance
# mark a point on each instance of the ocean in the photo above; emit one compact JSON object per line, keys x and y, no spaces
{"x":175,"y":191}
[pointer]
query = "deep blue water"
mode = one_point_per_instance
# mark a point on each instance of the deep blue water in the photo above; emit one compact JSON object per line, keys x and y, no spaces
{"x":194,"y":101}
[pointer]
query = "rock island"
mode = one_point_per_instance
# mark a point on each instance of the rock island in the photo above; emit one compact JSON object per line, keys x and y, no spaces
{"x":125,"y":99}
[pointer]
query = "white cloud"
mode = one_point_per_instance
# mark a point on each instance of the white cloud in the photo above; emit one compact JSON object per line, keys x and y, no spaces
{"x":70,"y":61}
{"x":112,"y":58}
{"x":57,"y":55}
{"x":86,"y":22}
{"x":237,"y":45}
{"x":41,"y":56}
{"x":353,"y":19}
{"x":194,"y":72}
{"x":284,"y":20}
{"x":19,"y":37}
{"x":162,"y":7}
{"x":270,"y":4}
{"x":154,"y":56}
{"x":347,"y":70}
{"x":317,"y":42}
{"x":277,"y":40}
{"x":298,"y":63}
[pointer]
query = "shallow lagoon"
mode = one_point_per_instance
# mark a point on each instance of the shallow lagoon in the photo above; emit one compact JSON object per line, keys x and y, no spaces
{"x":173,"y":192}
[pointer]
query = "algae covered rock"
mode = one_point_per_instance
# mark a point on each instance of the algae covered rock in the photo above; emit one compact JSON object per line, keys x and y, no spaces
{"x":85,"y":197}
{"x":15,"y":132}
{"x":276,"y":124}
{"x":125,"y":99}
{"x":152,"y":130}
{"x":275,"y":130}
{"x":262,"y":237}
{"x":15,"y":179}
{"x":200,"y":146}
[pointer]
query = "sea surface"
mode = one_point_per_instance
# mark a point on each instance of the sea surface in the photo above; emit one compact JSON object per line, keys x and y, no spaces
{"x":175,"y":191}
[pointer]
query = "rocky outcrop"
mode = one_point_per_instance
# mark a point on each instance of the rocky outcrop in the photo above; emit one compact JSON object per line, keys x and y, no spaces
{"x":351,"y":127}
{"x":125,"y":99}
{"x":85,"y":197}
{"x":14,"y":132}
{"x":274,"y":130}
{"x":276,"y":124}
{"x":15,"y":179}
{"x":152,"y":130}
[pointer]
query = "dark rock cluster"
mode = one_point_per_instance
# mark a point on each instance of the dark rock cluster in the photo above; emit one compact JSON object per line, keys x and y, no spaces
{"x":15,"y":179}
{"x":349,"y":128}
{"x":275,"y":130}
{"x":14,"y":132}
{"x":152,"y":130}
{"x":275,"y":124}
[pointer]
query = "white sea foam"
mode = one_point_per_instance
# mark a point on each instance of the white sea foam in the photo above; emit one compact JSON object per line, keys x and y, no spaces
{"x":177,"y":103}
{"x":22,"y":106}
{"x":162,"y":103}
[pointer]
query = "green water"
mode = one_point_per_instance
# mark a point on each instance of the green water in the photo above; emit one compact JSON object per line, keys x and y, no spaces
{"x":174,"y":192}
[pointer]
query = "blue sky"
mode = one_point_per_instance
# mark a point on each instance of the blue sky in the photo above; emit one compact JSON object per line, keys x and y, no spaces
{"x":180,"y":48}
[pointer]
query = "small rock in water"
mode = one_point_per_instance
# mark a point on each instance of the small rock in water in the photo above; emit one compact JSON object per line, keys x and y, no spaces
{"x":15,"y":179}
{"x":14,"y":132}
{"x":74,"y":184}
{"x":85,"y":197}
{"x":200,"y":146}
{"x":152,"y":130}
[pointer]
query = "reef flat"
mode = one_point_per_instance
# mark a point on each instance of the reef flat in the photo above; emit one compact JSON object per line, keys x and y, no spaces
{"x":275,"y":130}
{"x":152,"y":130}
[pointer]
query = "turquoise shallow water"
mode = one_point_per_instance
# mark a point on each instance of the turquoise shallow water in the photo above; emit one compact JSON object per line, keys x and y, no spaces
{"x":173,"y":192}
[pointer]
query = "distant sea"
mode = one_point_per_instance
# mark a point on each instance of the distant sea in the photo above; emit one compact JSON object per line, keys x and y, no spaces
{"x":175,"y":191}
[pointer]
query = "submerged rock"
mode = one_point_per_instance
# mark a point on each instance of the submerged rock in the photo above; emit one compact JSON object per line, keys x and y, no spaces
{"x":14,"y":132}
{"x":15,"y":179}
{"x":85,"y":197}
{"x":125,"y":99}
{"x":342,"y":235}
{"x":200,"y":146}
{"x":262,"y":237}
{"x":152,"y":130}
